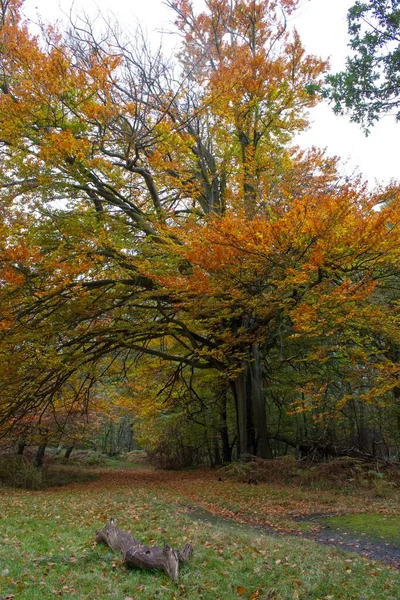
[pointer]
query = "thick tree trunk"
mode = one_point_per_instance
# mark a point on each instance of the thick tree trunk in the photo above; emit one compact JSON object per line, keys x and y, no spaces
{"x":251,"y":410}
{"x":243,"y":427}
{"x":139,"y":555}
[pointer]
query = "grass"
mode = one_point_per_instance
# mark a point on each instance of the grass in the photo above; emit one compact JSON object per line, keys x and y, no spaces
{"x":120,"y":463}
{"x":378,"y":526}
{"x":47,"y":548}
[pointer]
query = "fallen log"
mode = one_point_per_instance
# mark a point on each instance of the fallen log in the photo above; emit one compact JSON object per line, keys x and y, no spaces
{"x":139,"y":555}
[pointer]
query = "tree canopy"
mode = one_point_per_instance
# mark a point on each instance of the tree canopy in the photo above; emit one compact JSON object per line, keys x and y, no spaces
{"x":370,"y":84}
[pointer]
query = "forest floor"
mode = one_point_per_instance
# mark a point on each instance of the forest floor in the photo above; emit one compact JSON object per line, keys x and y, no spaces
{"x":265,"y":541}
{"x":366,"y":523}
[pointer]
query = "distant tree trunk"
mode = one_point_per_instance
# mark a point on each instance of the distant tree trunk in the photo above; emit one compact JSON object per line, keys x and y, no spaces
{"x":394,"y":355}
{"x":217,"y":456}
{"x":39,"y":456}
{"x":21,"y":447}
{"x":243,"y":427}
{"x":396,"y":394}
{"x":68,"y":451}
{"x":106,"y":433}
{"x":221,"y":397}
{"x":130,"y":442}
{"x":224,"y":433}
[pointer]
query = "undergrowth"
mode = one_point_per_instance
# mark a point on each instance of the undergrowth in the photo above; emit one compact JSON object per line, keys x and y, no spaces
{"x":346,"y":473}
{"x":19,"y":472}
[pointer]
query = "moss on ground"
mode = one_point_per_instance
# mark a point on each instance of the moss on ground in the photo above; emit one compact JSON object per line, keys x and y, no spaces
{"x":375,"y":526}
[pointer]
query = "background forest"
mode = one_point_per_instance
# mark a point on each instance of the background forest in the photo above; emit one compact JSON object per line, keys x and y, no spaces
{"x":171,"y":262}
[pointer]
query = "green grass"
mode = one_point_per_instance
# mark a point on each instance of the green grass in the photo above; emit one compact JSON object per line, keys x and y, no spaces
{"x":120,"y":463}
{"x":47,"y":552}
{"x":378,"y":526}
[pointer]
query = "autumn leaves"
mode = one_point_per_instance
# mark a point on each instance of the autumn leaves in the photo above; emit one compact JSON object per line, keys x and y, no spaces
{"x":186,"y":228}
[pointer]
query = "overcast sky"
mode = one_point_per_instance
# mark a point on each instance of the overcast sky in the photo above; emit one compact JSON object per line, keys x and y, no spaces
{"x":323,"y":29}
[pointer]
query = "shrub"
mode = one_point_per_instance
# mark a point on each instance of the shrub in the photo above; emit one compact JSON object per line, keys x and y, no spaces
{"x":171,"y":456}
{"x":136,"y":456}
{"x":344,"y":473}
{"x":19,"y":472}
{"x":258,"y":470}
{"x":83,"y":458}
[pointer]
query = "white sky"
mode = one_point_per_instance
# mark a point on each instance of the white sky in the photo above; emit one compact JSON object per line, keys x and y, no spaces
{"x":323,"y":29}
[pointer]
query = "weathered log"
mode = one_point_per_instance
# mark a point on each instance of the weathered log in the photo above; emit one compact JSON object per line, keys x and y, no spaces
{"x":139,"y":555}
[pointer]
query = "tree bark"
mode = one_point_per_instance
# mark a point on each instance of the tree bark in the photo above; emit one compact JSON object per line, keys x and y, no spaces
{"x":239,"y":391}
{"x":139,"y":555}
{"x":259,"y":413}
{"x":21,"y":447}
{"x":251,"y":411}
{"x":224,"y":433}
{"x":39,"y":456}
{"x":68,"y":451}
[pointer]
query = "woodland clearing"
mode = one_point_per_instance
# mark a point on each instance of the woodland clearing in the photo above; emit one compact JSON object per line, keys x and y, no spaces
{"x":239,"y":533}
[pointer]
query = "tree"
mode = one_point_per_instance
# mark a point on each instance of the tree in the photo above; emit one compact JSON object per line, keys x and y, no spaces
{"x":108,"y":127}
{"x":314,"y":269}
{"x":370,"y":85}
{"x":190,"y":231}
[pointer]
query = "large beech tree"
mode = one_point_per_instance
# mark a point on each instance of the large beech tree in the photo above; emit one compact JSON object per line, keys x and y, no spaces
{"x":159,"y":209}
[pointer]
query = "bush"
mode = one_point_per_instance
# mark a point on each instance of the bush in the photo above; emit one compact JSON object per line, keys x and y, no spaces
{"x":136,"y":456}
{"x":258,"y":470}
{"x":171,"y":457}
{"x":19,"y":472}
{"x":344,"y":473}
{"x":84,"y":458}
{"x":348,"y":473}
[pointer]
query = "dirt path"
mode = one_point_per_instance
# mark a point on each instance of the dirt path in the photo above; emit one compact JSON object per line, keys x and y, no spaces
{"x":361,"y":544}
{"x":324,"y":534}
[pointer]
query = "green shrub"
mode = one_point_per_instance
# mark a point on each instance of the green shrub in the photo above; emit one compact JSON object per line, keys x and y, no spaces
{"x":83,"y":458}
{"x":19,"y":472}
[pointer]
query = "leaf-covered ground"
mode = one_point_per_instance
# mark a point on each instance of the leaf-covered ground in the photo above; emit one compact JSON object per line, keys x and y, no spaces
{"x":47,"y":548}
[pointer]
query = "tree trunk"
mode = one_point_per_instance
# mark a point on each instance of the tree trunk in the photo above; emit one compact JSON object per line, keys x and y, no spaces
{"x":217,"y":455}
{"x":139,"y":555}
{"x":224,"y":433}
{"x":259,"y":415}
{"x":21,"y":447}
{"x":243,"y":427}
{"x":251,"y":410}
{"x":68,"y":451}
{"x":222,"y":400}
{"x":39,"y":456}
